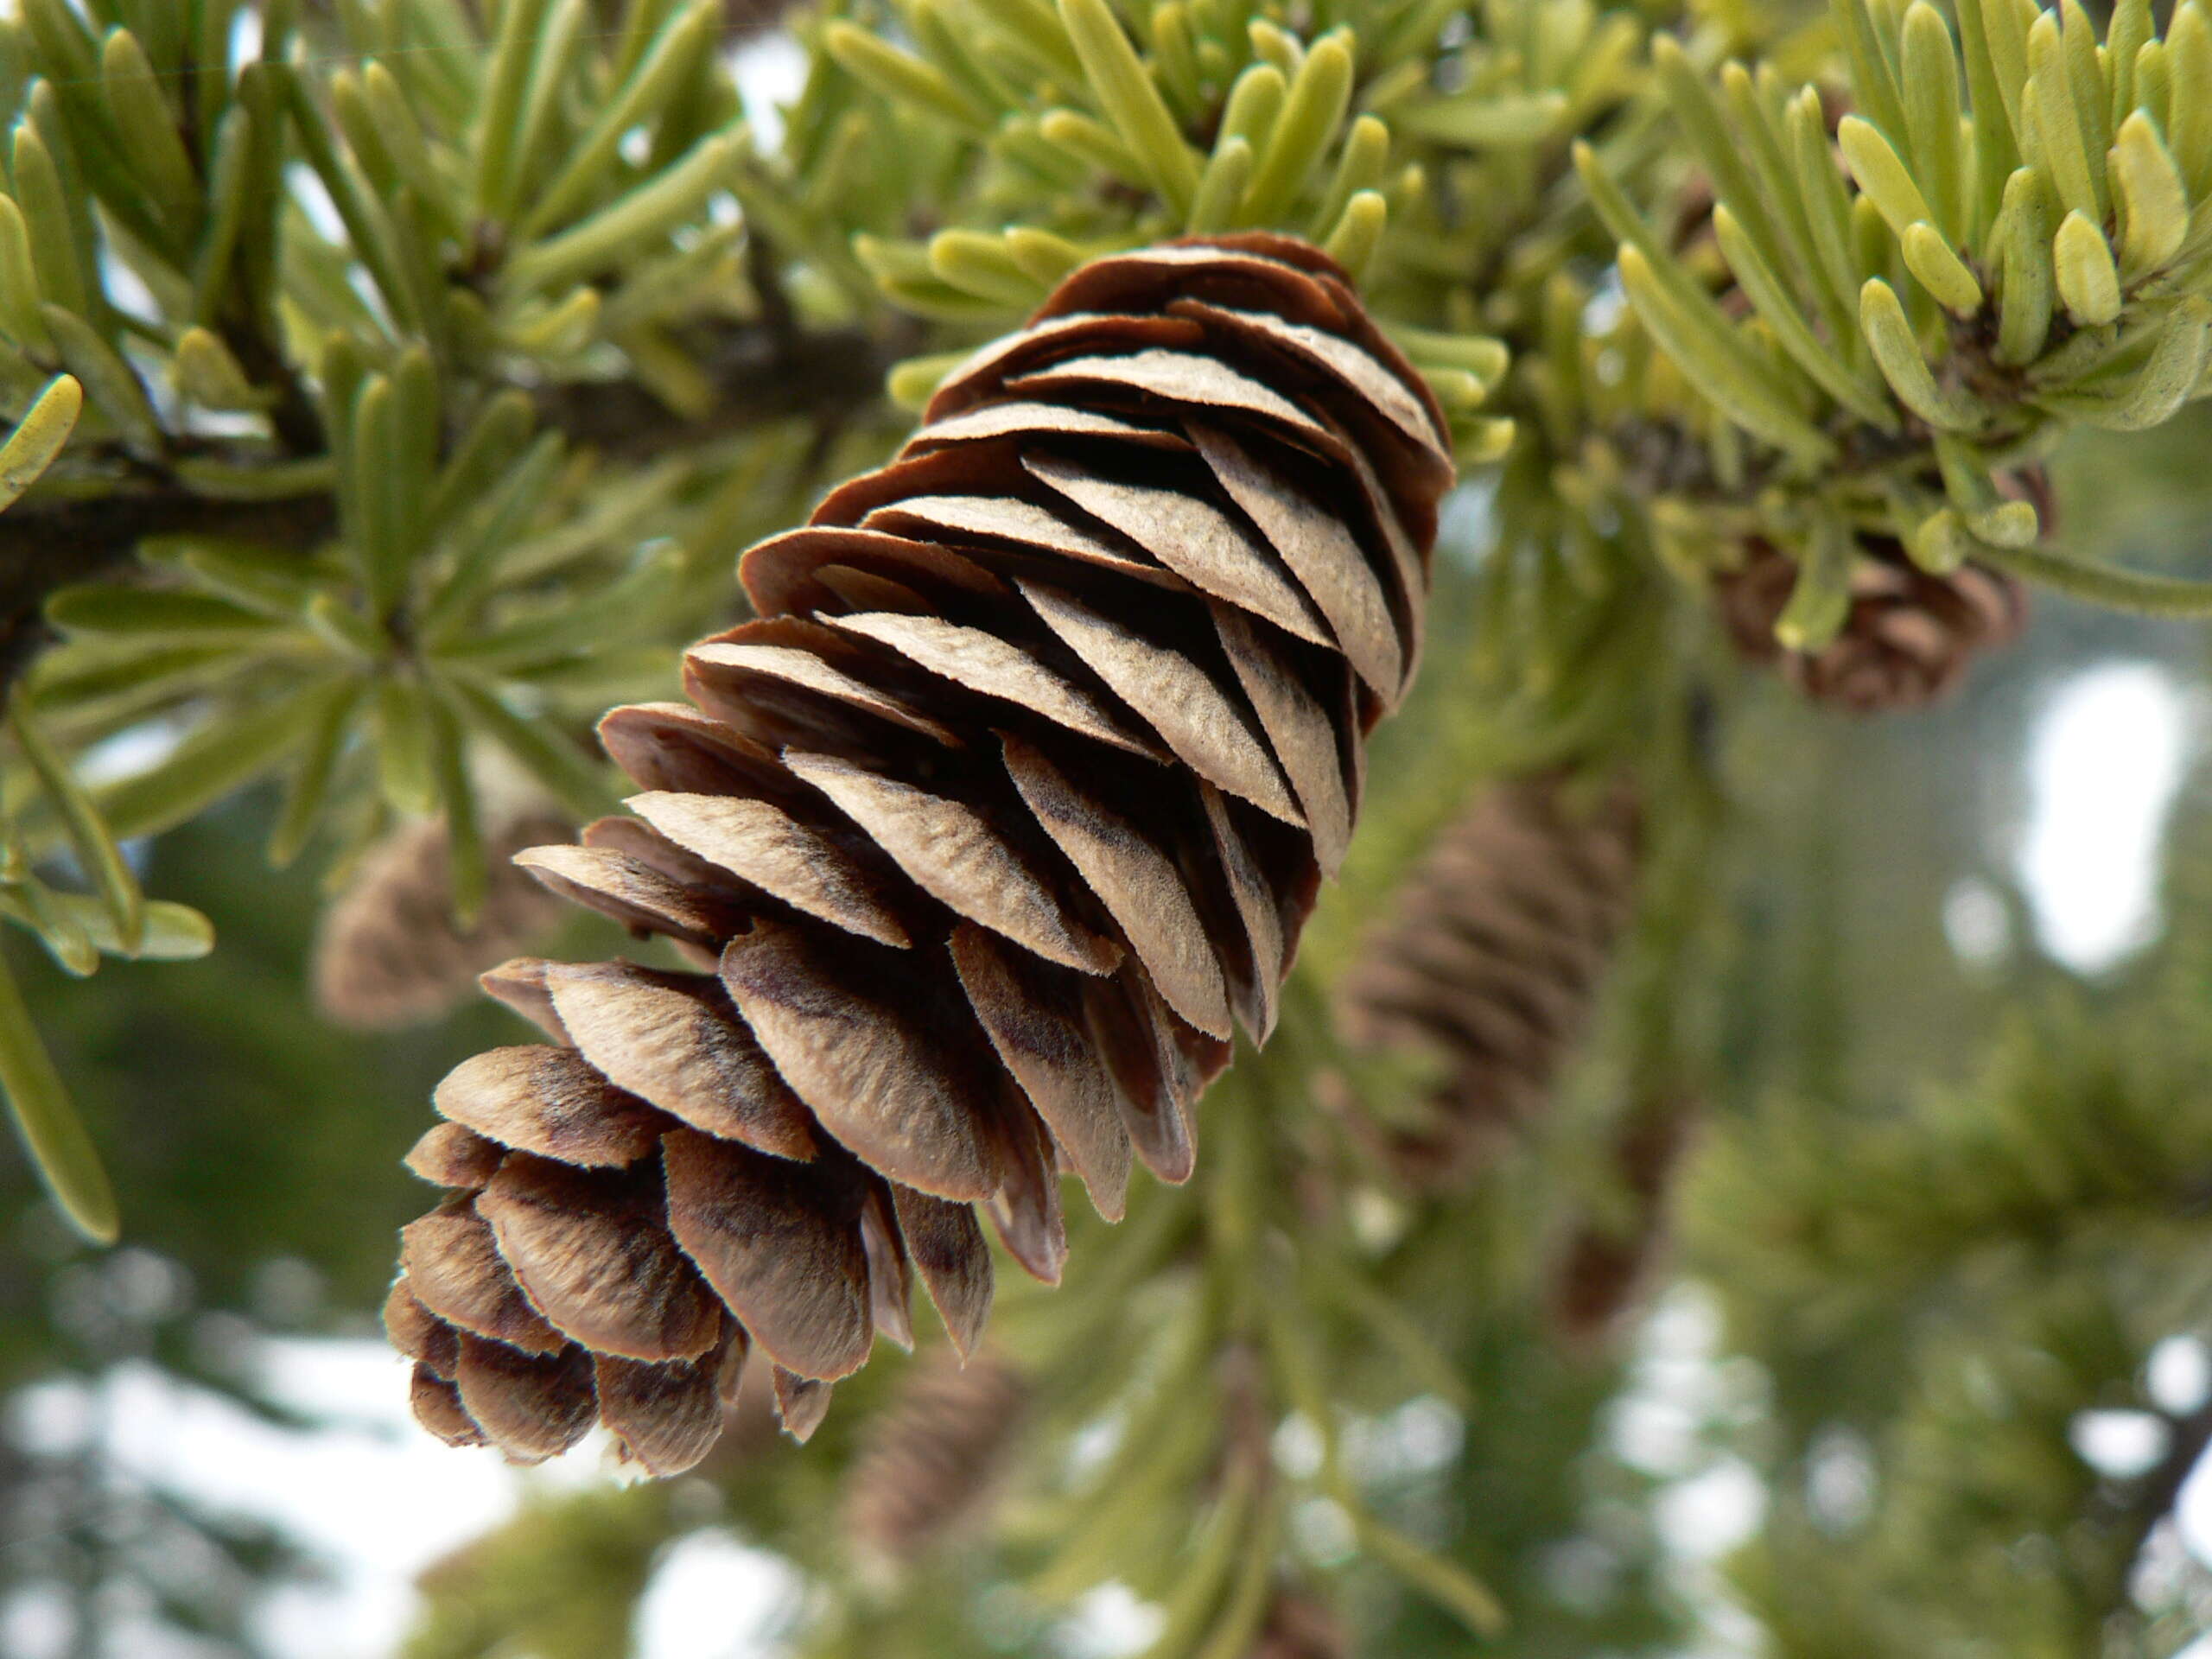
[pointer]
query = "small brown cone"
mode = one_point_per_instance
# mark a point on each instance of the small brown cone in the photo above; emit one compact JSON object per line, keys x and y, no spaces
{"x":1909,"y":638}
{"x":1299,"y":1627}
{"x":1488,"y":962}
{"x":930,"y":1464}
{"x":389,"y":954}
{"x":1607,"y":1263}
{"x":744,"y":18}
{"x":1015,"y":798}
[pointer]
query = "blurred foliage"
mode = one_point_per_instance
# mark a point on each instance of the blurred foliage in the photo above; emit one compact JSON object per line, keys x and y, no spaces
{"x":390,"y":382}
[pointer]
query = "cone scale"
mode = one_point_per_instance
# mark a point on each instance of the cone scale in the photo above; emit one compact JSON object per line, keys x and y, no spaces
{"x":981,"y":841}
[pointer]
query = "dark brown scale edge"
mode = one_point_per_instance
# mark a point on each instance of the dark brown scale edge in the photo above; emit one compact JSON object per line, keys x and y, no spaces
{"x":1018,"y":791}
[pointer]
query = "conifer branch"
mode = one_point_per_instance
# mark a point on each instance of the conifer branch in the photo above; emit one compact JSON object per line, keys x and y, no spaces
{"x":760,"y":372}
{"x":47,"y":544}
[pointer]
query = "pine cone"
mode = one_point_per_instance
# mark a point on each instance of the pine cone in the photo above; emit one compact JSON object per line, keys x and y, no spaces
{"x":928,"y":1465}
{"x":743,"y":20}
{"x":1606,"y":1264}
{"x":1020,"y":790}
{"x":1299,"y":1627}
{"x":388,"y":953}
{"x":1488,"y":962}
{"x":1907,"y":641}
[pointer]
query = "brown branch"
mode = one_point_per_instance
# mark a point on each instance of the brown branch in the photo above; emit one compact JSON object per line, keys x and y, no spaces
{"x":760,"y":375}
{"x":2157,"y":1492}
{"x":2134,"y":1511}
{"x":46,"y":545}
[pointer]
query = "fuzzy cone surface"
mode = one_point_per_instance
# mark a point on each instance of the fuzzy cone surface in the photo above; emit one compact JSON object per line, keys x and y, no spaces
{"x":1488,"y":962}
{"x":980,"y":840}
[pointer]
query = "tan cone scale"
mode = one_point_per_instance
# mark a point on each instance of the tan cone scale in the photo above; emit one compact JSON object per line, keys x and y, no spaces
{"x":1488,"y":961}
{"x":1013,"y":800}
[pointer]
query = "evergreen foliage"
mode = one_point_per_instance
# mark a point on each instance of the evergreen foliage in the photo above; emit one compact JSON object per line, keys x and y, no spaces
{"x":389,"y":383}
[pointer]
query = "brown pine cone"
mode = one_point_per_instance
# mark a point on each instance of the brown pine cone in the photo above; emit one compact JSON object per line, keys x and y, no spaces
{"x":1908,"y":639}
{"x":388,"y":953}
{"x":1488,"y":961}
{"x":928,"y":1466}
{"x":1299,"y":1627}
{"x":1608,"y":1264}
{"x":1020,"y":790}
{"x":742,"y":19}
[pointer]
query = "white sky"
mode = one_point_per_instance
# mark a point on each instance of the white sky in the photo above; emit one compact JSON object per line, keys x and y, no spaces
{"x":371,"y":1495}
{"x":2102,"y":767}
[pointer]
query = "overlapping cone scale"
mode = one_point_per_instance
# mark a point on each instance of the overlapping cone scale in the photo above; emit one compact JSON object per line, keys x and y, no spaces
{"x":978,"y":842}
